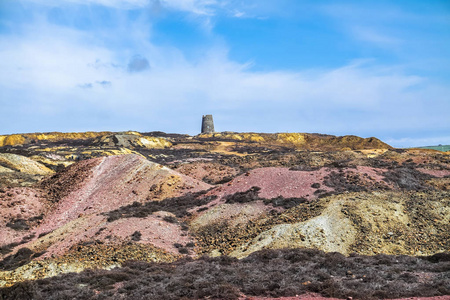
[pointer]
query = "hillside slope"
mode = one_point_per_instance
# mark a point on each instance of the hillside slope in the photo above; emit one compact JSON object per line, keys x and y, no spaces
{"x":69,"y":202}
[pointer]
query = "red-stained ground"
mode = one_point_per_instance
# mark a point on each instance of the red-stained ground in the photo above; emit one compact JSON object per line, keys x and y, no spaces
{"x":18,"y":203}
{"x":275,"y":181}
{"x":117,"y":181}
{"x":110,"y":183}
{"x":437,"y":173}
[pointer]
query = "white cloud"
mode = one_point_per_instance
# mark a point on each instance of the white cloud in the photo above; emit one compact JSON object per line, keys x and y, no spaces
{"x":238,"y":14}
{"x":123,"y":4}
{"x":204,"y":8}
{"x":375,"y":37}
{"x":200,"y":7}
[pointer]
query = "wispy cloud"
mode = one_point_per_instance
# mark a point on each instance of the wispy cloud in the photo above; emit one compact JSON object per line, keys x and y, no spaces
{"x":204,"y":8}
{"x":375,"y":37}
{"x":200,"y":7}
{"x":122,"y":4}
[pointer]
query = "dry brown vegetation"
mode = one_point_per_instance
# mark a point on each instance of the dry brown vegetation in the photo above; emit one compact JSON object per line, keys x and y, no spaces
{"x":270,"y":273}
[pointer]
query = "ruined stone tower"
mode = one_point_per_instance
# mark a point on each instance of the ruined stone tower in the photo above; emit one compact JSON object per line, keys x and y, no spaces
{"x":207,"y":124}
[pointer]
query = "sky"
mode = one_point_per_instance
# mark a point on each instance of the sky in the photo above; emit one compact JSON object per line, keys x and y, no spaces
{"x":367,"y":68}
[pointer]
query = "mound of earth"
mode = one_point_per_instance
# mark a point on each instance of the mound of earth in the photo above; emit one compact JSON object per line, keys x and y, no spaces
{"x":18,"y":170}
{"x":72,"y":210}
{"x":302,"y":140}
{"x":18,"y":163}
{"x":367,"y":223}
{"x":27,"y":138}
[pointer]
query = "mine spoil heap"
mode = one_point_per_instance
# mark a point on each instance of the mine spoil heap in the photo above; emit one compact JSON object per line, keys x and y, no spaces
{"x":221,"y":215}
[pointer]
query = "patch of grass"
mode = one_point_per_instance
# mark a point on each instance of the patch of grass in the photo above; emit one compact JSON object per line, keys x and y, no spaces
{"x":183,"y":250}
{"x":443,"y":148}
{"x":340,"y":182}
{"x":251,"y":195}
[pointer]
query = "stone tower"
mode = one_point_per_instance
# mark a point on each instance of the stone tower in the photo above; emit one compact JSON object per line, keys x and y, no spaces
{"x":207,"y":124}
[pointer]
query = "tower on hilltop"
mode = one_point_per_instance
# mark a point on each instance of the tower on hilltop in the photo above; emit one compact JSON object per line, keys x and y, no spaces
{"x":207,"y":124}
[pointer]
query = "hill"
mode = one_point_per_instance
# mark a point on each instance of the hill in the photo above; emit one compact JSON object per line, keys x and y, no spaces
{"x":74,"y":201}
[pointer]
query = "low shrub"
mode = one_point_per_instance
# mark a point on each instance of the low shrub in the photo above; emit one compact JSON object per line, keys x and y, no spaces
{"x":136,"y":236}
{"x":170,"y":219}
{"x":286,"y":203}
{"x":408,"y":178}
{"x":267,"y":273}
{"x":179,"y":206}
{"x":244,"y":197}
{"x":22,"y":257}
{"x":18,"y":224}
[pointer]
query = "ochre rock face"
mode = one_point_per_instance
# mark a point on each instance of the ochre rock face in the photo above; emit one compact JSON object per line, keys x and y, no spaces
{"x":132,"y":141}
{"x":11,"y":140}
{"x":20,"y":139}
{"x":22,"y":164}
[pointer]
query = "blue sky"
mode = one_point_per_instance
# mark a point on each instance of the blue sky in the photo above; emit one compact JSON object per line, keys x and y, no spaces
{"x":368,"y":68}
